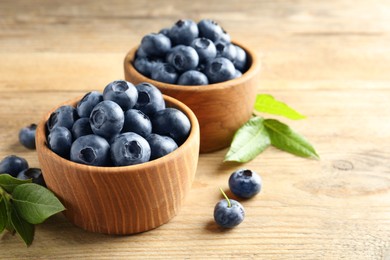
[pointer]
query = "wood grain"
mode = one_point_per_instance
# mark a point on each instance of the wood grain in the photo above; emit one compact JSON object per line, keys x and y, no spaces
{"x":327,"y":59}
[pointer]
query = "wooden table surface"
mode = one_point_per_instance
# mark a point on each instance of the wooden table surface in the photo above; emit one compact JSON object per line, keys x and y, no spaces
{"x":329,"y":60}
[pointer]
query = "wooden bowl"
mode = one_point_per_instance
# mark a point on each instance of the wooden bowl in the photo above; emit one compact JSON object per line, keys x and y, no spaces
{"x":221,"y":108}
{"x":122,"y":200}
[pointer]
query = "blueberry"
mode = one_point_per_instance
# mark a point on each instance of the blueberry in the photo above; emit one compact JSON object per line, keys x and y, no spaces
{"x":155,"y":44}
{"x":240,"y":61}
{"x":237,"y":74}
{"x":184,"y":32}
{"x":173,"y":123}
{"x":205,"y":48}
{"x":140,"y":53}
{"x":226,"y":50}
{"x":210,"y":29}
{"x":90,"y":150}
{"x":35,"y":174}
{"x":245,"y":183}
{"x":121,"y":92}
{"x":88,"y":102}
{"x":62,"y":116}
{"x":107,"y":119}
{"x":165,"y":31}
{"x":136,"y":121}
{"x":128,"y":149}
{"x":60,"y":140}
{"x":228,"y":216}
{"x":225,"y":37}
{"x":193,"y":78}
{"x":150,"y":99}
{"x":12,"y":165}
{"x":27,"y":136}
{"x":160,"y":145}
{"x":81,"y":127}
{"x":165,"y":72}
{"x":183,"y":58}
{"x":220,"y":69}
{"x":146,"y":66}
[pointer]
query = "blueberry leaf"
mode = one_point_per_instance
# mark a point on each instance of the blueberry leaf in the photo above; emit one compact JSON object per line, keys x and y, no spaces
{"x":284,"y":138}
{"x":22,"y":227}
{"x":249,"y":141}
{"x":8,"y":183}
{"x":3,"y":214}
{"x":268,"y":104}
{"x":35,"y":203}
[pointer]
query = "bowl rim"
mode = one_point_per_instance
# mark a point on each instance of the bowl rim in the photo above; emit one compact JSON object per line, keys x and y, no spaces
{"x":42,"y":148}
{"x":252,"y":71}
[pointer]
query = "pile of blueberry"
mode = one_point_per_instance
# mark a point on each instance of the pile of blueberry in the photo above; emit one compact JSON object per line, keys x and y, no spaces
{"x":190,"y":54}
{"x":18,"y":167}
{"x":124,"y":125}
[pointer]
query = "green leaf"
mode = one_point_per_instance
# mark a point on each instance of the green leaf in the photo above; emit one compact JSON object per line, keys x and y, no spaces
{"x":35,"y":203}
{"x":249,"y":141}
{"x":3,"y":214}
{"x":22,"y":227}
{"x":284,"y":138}
{"x":268,"y":104}
{"x":8,"y":183}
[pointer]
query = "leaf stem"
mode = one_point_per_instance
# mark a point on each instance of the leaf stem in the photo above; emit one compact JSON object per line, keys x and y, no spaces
{"x":226,"y":197}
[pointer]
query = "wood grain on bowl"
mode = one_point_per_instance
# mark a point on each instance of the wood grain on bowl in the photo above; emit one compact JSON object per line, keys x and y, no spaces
{"x":122,"y":200}
{"x":221,"y":108}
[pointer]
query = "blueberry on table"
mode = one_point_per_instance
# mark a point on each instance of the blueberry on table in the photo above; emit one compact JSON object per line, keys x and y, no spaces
{"x":88,"y":102}
{"x":164,"y":72}
{"x":183,"y":58}
{"x":184,"y":32}
{"x":160,"y":145}
{"x":12,"y":165}
{"x":210,"y":29}
{"x":220,"y":69}
{"x":150,"y":99}
{"x":107,"y":119}
{"x":228,"y":213}
{"x":62,"y":116}
{"x":129,"y":149}
{"x":81,"y":127}
{"x":60,"y":140}
{"x":155,"y":44}
{"x":192,"y":78}
{"x":240,"y":62}
{"x":173,"y":123}
{"x":35,"y":174}
{"x":91,"y":150}
{"x":136,"y":121}
{"x":146,"y":65}
{"x":245,"y":183}
{"x":27,"y":136}
{"x":121,"y":92}
{"x":205,"y":48}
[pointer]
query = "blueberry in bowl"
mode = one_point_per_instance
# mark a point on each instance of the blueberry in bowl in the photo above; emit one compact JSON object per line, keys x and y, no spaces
{"x":119,"y":181}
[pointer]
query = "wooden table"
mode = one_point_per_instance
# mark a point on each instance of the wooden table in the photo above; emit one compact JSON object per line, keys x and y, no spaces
{"x":330,"y":60}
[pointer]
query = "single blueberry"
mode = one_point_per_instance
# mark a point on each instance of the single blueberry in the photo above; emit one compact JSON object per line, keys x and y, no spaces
{"x":150,"y":99}
{"x":160,"y":145}
{"x":245,"y":183}
{"x":121,"y":92}
{"x":183,"y":58}
{"x":35,"y":174}
{"x":165,"y":72}
{"x":155,"y":44}
{"x":62,"y":116}
{"x":12,"y":165}
{"x":146,"y":66}
{"x":183,"y":32}
{"x":88,"y":102}
{"x":205,"y":48}
{"x":226,"y":50}
{"x":240,"y":62}
{"x":210,"y":29}
{"x":228,"y":217}
{"x":220,"y":69}
{"x":128,"y":149}
{"x":140,"y":53}
{"x":192,"y":78}
{"x":173,"y":123}
{"x":237,"y":74}
{"x":90,"y":150}
{"x":107,"y":119}
{"x":225,"y":37}
{"x":136,"y":121}
{"x":27,"y":136}
{"x":165,"y":31}
{"x":81,"y":127}
{"x":60,"y":140}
